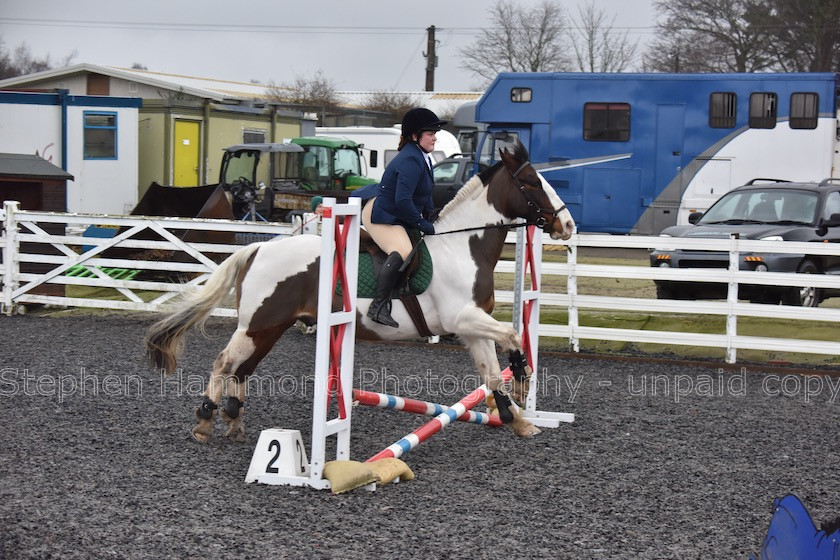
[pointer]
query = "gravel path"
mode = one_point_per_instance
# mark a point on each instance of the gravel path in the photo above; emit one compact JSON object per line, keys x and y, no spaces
{"x":97,"y":460}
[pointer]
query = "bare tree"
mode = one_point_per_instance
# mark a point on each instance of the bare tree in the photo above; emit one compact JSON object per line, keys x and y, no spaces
{"x":391,"y":103}
{"x":316,"y":94}
{"x":519,"y":39}
{"x":21,"y":61}
{"x":806,"y":34}
{"x":318,"y":91}
{"x":597,"y":46}
{"x":711,"y":36}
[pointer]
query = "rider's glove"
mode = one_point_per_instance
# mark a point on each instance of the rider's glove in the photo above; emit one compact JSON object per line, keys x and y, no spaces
{"x":426,"y":227}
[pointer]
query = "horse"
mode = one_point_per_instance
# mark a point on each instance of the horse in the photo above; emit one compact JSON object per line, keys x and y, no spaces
{"x":276,"y":283}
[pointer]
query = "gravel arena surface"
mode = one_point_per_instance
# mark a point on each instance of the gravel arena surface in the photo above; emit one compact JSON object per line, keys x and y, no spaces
{"x":663,"y":461}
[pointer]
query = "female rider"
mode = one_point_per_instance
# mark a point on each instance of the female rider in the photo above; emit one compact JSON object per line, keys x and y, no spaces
{"x":401,"y":201}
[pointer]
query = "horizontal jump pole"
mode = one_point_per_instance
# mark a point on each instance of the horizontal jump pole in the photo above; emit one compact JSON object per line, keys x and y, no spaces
{"x":436,"y":424}
{"x":383,"y":400}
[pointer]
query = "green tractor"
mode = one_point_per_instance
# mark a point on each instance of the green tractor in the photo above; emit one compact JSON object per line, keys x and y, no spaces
{"x":295,"y":172}
{"x":326,"y":167}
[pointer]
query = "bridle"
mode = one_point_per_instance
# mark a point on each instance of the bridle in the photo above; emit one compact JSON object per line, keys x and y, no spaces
{"x":540,"y":222}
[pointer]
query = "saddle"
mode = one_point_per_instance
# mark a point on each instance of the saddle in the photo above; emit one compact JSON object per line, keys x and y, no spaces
{"x":418,"y":276}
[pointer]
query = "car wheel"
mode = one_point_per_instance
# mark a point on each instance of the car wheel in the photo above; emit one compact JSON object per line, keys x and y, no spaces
{"x":804,"y":297}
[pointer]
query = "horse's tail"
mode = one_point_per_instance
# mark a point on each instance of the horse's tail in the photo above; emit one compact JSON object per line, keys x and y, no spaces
{"x":165,"y":338}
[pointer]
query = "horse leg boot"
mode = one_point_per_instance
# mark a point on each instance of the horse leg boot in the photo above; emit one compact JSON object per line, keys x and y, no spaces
{"x":233,"y":411}
{"x":389,"y":277}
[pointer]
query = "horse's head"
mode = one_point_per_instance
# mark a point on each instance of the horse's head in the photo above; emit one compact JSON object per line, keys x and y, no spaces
{"x":521,"y":192}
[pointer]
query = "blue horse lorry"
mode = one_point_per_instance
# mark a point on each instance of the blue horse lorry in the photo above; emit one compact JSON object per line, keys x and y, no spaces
{"x":636,"y":153}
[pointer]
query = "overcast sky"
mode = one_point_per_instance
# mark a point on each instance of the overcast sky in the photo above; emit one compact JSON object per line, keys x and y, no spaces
{"x":357,"y":44}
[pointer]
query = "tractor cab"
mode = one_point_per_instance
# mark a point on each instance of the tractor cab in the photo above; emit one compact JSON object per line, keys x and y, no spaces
{"x":238,"y":174}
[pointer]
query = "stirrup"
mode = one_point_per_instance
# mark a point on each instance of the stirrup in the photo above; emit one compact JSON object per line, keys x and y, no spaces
{"x":381,"y":313}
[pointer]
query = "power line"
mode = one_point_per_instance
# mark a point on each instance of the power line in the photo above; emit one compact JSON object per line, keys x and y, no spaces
{"x":256,"y":28}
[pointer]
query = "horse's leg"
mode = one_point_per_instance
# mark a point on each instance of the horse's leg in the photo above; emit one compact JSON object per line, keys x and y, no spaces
{"x":233,"y":411}
{"x":239,"y":358}
{"x":483,"y":331}
{"x":476,"y":321}
{"x":483,"y":353}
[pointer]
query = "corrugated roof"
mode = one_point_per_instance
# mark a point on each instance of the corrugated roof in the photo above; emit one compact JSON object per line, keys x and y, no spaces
{"x":225,"y":89}
{"x":26,"y":166}
{"x":228,"y":90}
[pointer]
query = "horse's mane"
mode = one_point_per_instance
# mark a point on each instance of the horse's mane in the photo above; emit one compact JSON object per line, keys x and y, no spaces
{"x":475,"y":183}
{"x":480,"y":180}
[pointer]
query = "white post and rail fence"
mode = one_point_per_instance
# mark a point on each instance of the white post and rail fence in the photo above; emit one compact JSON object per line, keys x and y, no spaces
{"x":70,"y":270}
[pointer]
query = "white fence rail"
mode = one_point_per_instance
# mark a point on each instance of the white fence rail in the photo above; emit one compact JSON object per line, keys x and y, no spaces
{"x":86,"y":262}
{"x":730,"y":341}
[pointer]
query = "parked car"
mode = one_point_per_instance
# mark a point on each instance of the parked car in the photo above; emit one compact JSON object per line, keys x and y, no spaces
{"x":768,"y":209}
{"x":450,"y":175}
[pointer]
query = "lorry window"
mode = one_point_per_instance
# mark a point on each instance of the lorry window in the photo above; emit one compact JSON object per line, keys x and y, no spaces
{"x":722,"y":109}
{"x":520,"y":95}
{"x":804,"y":110}
{"x":495,"y":141}
{"x":466,"y":140}
{"x":606,"y":122}
{"x":763,"y":107}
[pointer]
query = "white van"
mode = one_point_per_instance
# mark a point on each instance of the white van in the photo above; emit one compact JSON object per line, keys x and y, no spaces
{"x":380,"y":144}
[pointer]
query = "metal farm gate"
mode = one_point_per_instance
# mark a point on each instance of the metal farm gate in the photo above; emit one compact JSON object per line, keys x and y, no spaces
{"x":148,"y":261}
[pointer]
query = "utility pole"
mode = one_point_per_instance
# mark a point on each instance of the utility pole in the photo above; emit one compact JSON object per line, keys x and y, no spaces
{"x":431,"y":59}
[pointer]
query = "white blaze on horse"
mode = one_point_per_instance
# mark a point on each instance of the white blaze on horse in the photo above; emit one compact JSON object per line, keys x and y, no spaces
{"x":276,"y":283}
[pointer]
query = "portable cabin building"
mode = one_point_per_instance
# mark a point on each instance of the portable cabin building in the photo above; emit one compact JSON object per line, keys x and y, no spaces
{"x":92,"y":138}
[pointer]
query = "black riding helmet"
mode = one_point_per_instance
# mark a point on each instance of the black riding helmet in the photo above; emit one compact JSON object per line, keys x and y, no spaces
{"x":419,"y":119}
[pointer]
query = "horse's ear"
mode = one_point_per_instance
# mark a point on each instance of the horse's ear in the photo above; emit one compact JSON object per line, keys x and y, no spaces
{"x":506,"y":156}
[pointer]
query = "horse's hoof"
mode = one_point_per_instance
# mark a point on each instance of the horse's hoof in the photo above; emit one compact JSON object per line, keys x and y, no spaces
{"x":200,"y":436}
{"x":235,"y":434}
{"x":528,"y":430}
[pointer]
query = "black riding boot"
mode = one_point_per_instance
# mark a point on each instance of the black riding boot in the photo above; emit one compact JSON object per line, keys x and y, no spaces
{"x":389,"y":277}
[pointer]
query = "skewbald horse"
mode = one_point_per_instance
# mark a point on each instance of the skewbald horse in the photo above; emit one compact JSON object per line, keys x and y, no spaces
{"x":276,"y":283}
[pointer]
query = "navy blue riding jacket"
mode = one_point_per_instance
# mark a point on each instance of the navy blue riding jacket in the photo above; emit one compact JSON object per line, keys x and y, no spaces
{"x":404,"y":196}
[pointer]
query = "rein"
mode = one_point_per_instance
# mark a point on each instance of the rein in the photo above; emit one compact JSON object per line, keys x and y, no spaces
{"x":477,"y":228}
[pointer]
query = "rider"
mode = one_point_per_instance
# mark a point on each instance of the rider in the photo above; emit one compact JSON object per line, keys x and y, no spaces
{"x":401,"y":201}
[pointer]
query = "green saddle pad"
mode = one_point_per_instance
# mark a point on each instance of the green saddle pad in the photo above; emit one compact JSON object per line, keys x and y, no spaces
{"x":418,"y":283}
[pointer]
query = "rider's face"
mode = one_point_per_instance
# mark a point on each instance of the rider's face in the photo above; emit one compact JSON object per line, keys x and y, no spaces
{"x":427,"y":140}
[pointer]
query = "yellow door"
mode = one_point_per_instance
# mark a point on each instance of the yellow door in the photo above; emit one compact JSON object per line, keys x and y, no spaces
{"x":186,"y":153}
